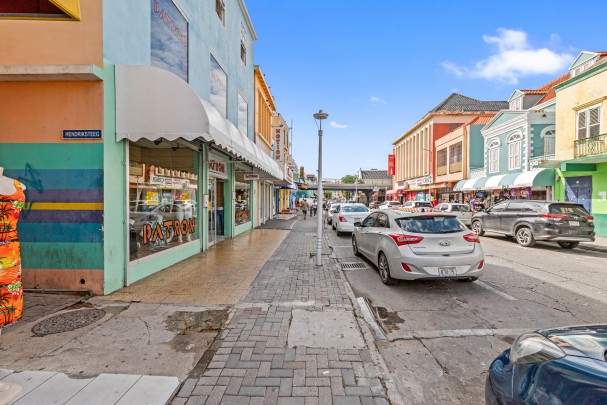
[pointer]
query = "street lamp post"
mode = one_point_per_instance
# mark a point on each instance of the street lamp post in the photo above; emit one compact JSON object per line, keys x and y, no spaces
{"x":320,"y":115}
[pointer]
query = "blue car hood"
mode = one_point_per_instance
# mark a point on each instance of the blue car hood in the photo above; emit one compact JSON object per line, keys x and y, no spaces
{"x":582,"y":341}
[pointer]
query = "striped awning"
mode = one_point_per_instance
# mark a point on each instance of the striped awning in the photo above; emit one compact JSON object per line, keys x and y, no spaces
{"x":530,"y":178}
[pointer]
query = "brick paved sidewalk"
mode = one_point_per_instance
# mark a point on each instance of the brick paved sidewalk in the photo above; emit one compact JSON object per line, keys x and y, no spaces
{"x":253,"y":364}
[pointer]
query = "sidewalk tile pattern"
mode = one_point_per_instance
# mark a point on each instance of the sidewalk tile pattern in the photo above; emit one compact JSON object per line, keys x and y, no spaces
{"x":254,"y":364}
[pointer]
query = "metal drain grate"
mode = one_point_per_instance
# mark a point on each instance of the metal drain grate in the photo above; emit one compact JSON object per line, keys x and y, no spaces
{"x":353,"y":266}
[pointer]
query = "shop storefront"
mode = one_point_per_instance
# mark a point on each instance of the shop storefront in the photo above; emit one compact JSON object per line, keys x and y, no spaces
{"x":162,"y":197}
{"x":418,"y":189}
{"x":536,"y":184}
{"x":218,"y":186}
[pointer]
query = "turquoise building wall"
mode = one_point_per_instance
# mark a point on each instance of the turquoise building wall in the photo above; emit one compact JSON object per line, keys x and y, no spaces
{"x":476,"y":153}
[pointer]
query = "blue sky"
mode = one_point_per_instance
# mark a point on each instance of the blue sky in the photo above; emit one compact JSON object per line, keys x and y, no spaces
{"x":377,"y":67}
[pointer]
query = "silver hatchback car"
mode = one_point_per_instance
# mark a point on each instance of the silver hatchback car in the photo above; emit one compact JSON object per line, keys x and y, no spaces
{"x":418,"y":245}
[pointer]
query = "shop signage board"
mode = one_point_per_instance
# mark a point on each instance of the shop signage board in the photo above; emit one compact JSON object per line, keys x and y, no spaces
{"x":419,"y":182}
{"x":391,"y":165}
{"x":217,"y":169}
{"x":278,"y":145}
{"x":169,"y":182}
{"x":251,"y":177}
{"x":79,"y":134}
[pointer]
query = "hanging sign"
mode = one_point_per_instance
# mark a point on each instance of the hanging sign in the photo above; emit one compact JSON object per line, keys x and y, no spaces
{"x":251,"y":176}
{"x":217,"y":169}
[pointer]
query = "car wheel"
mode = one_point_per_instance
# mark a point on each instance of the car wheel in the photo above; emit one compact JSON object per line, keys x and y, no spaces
{"x":468,"y":280}
{"x":478,"y":228}
{"x":524,"y":237}
{"x":384,"y":270}
{"x":568,"y":245}
{"x":355,"y":246}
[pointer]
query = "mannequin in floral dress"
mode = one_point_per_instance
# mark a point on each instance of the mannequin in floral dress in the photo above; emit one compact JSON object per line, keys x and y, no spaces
{"x":12,"y":200}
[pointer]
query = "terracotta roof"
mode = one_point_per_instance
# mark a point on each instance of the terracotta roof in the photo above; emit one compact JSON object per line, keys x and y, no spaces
{"x":549,"y":88}
{"x":481,"y":120}
{"x":534,"y":91}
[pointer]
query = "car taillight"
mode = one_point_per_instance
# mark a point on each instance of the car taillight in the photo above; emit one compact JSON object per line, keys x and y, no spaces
{"x":589,"y":218}
{"x":405,"y":239}
{"x":406,"y":267}
{"x":553,"y":216}
{"x":481,"y":264}
{"x":342,"y":219}
{"x":472,"y":237}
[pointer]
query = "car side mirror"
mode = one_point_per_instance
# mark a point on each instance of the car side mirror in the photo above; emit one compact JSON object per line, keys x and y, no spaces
{"x":358,"y":224}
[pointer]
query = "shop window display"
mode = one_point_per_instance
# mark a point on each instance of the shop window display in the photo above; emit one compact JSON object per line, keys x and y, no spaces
{"x":162,"y":197}
{"x":242,"y":212}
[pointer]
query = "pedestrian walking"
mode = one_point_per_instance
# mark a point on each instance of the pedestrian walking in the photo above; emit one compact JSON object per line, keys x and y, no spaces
{"x":304,"y":208}
{"x":314,"y":208}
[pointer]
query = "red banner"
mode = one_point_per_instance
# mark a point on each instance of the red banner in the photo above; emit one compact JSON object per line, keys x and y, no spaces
{"x":391,"y":165}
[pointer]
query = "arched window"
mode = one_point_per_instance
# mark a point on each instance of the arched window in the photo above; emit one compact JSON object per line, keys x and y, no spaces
{"x":514,"y":150}
{"x":493,"y":155}
{"x":548,"y":135}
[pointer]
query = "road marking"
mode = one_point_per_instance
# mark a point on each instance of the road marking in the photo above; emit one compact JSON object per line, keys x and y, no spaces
{"x":457,"y":333}
{"x":498,"y":292}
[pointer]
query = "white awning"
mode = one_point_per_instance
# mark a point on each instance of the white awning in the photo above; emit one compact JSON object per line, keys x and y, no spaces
{"x":153,"y":103}
{"x":494,"y":181}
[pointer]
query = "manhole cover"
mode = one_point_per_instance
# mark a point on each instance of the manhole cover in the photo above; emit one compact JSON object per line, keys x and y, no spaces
{"x":353,"y":266}
{"x":68,"y":321}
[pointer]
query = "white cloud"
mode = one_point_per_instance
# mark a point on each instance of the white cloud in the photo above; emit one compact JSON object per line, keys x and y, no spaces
{"x":515,"y":58}
{"x":377,"y":100}
{"x":336,"y":125}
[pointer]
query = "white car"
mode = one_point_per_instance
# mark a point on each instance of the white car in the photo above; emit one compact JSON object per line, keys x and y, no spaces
{"x":331,"y":211}
{"x":462,"y":211}
{"x":418,"y":204}
{"x":388,"y":205}
{"x":346,"y":215}
{"x":419,"y":245}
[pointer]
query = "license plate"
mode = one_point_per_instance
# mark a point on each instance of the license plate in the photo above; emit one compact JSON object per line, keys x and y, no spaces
{"x":446,"y":271}
{"x":574,"y":223}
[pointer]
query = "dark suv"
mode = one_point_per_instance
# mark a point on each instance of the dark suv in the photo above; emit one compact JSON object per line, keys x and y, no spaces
{"x":566,"y":223}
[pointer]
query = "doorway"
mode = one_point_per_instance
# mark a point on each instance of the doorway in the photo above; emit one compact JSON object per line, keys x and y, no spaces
{"x":216,"y":223}
{"x":579,"y":190}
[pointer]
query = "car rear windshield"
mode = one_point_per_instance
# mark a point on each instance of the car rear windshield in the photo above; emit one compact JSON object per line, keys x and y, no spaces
{"x":423,"y":204}
{"x":568,"y":209}
{"x":355,"y":209}
{"x":461,"y":208}
{"x":431,"y":224}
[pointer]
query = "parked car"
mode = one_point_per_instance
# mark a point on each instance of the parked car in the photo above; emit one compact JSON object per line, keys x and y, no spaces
{"x":331,"y":212}
{"x":388,"y":205}
{"x":551,"y":366}
{"x":418,"y":204}
{"x":566,"y":223}
{"x":462,"y":211}
{"x":346,"y":215}
{"x":418,"y":245}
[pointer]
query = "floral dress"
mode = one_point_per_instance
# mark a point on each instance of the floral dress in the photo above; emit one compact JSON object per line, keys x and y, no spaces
{"x":11,"y":290}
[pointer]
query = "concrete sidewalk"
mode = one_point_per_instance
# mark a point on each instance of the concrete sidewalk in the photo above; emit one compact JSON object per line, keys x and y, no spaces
{"x":292,"y":334}
{"x":294,"y":339}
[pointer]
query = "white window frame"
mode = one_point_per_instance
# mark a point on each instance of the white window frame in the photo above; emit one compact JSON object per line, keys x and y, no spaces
{"x":493,"y":156}
{"x":515,"y":143}
{"x":517,"y":103}
{"x":587,"y":127}
{"x":548,"y":135}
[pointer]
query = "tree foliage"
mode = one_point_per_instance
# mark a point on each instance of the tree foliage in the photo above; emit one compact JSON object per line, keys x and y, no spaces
{"x":350,"y":179}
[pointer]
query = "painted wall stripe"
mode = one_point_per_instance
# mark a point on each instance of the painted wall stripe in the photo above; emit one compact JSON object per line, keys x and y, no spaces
{"x":59,"y":232}
{"x":55,"y":255}
{"x":65,"y":195}
{"x":64,"y":206}
{"x":52,"y":155}
{"x":43,"y":179}
{"x":84,"y":216}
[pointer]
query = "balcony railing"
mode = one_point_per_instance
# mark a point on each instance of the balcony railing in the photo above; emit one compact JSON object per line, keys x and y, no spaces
{"x":455,"y":167}
{"x":440,"y":170}
{"x":597,"y":145}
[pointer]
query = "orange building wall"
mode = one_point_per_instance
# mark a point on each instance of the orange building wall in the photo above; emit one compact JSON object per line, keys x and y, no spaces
{"x":39,"y":42}
{"x":56,"y":106}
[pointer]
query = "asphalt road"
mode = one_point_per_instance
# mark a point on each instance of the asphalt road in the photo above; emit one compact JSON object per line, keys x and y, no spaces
{"x":442,"y":335}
